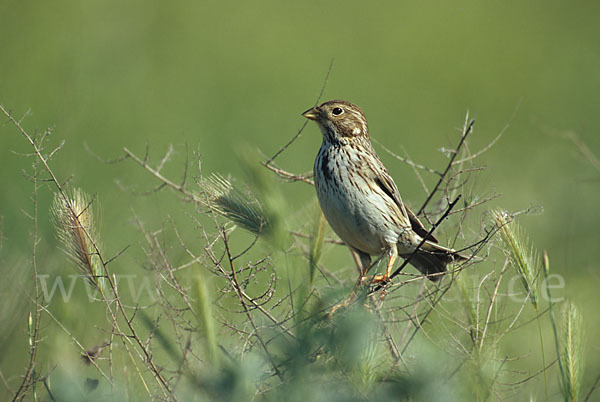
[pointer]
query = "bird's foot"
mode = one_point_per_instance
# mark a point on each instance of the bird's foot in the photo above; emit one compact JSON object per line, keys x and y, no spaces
{"x":375,"y":279}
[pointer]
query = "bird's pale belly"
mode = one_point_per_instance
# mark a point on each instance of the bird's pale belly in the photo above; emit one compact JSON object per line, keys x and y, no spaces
{"x":357,"y":220}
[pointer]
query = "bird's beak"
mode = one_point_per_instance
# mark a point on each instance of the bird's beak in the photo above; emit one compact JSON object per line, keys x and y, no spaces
{"x":312,"y":113}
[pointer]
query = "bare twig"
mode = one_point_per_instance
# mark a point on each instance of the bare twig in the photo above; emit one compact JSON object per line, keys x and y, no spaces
{"x":290,"y":176}
{"x":251,"y":300}
{"x":594,"y":386}
{"x":29,"y":378}
{"x":406,"y":160}
{"x":493,"y":142}
{"x":148,"y":359}
{"x":466,"y":131}
{"x":295,"y":137}
{"x":156,"y":173}
{"x":238,"y":288}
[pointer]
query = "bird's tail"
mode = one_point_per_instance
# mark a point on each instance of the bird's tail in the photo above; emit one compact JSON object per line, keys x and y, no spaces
{"x":433,"y":259}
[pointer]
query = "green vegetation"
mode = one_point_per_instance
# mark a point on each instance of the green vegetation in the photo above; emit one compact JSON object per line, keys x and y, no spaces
{"x":209,"y":273}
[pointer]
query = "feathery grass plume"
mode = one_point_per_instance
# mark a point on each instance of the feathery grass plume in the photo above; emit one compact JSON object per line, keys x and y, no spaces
{"x":231,"y":203}
{"x":75,"y":224}
{"x":267,"y":190}
{"x":571,"y":355}
{"x":523,"y":256}
{"x":162,"y":336}
{"x":527,"y":263}
{"x":481,"y":362}
{"x":557,"y":339}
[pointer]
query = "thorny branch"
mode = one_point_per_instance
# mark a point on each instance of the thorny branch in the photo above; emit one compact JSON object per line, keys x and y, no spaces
{"x":466,"y":131}
{"x":226,"y":264}
{"x":295,"y":137}
{"x":29,"y":378}
{"x":147,"y":356}
{"x":238,"y":289}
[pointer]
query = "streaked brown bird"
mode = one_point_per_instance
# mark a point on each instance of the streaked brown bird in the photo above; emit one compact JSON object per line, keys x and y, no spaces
{"x":361,"y":201}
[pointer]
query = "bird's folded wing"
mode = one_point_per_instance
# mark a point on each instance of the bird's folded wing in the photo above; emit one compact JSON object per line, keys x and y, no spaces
{"x":387,"y":185}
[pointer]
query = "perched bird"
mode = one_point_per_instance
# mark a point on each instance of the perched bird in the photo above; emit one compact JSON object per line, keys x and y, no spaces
{"x":361,"y":201}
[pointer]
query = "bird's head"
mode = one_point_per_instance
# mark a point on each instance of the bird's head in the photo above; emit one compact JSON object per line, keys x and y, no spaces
{"x":339,"y":121}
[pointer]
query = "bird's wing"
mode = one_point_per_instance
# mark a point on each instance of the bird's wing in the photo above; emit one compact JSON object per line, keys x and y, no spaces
{"x":387,"y":185}
{"x":384,"y":181}
{"x":418,"y":227}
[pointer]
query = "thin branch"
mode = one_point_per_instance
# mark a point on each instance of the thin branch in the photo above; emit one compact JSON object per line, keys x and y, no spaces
{"x":238,"y":289}
{"x":466,"y":131}
{"x":493,"y":142}
{"x":112,"y":283}
{"x":34,"y":319}
{"x":295,"y":137}
{"x":406,"y":160}
{"x":594,"y":386}
{"x":156,"y":173}
{"x":292,"y":177}
{"x":217,"y":263}
{"x":492,"y":301}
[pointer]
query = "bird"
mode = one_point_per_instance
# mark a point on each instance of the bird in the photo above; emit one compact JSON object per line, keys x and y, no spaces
{"x":361,"y":201}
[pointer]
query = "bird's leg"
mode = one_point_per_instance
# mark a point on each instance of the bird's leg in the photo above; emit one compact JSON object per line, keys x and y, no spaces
{"x":392,"y":256}
{"x":362,"y":261}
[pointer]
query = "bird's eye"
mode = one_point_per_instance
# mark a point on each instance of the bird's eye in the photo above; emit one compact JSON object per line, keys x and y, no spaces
{"x":337,"y":111}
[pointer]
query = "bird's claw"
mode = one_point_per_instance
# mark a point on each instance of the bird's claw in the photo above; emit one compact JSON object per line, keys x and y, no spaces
{"x":376,"y":279}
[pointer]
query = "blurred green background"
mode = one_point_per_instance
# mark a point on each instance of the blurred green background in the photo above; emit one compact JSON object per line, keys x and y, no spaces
{"x":229,"y":78}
